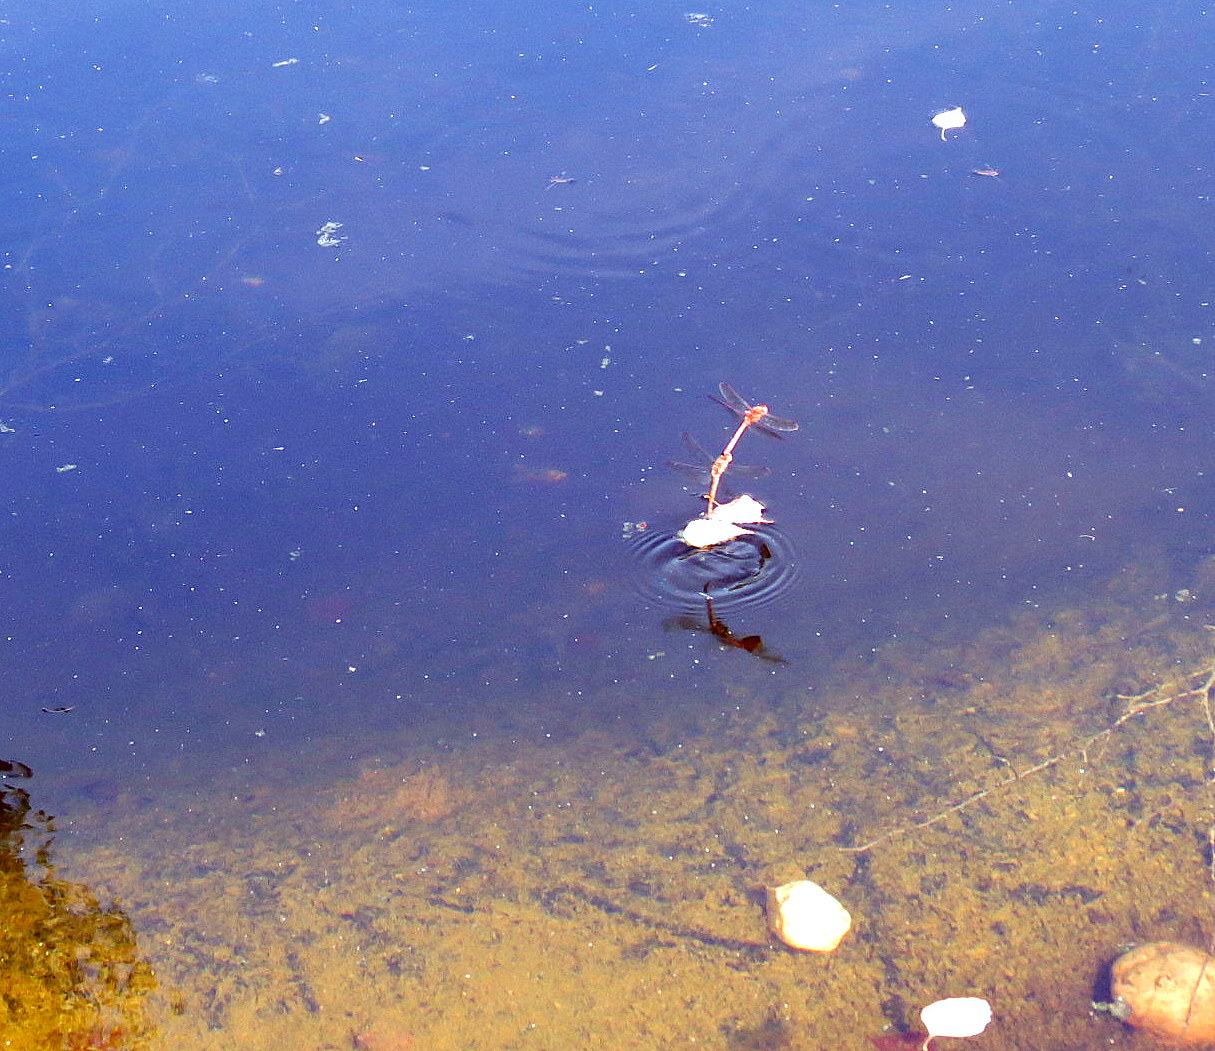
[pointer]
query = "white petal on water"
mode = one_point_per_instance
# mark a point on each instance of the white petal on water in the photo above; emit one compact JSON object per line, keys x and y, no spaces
{"x":707,"y":532}
{"x":742,"y":510}
{"x":950,"y":120}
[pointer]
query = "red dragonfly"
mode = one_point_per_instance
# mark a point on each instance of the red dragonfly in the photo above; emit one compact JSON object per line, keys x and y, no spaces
{"x":700,"y":465}
{"x":752,"y":416}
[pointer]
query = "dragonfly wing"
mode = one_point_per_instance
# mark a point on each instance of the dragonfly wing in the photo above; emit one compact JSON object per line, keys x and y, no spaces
{"x":702,"y":462}
{"x":699,"y":475}
{"x":736,"y":403}
{"x":697,"y":451}
{"x":731,"y":399}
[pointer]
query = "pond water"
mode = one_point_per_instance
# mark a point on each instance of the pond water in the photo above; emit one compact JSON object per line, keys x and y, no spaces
{"x":358,"y":690}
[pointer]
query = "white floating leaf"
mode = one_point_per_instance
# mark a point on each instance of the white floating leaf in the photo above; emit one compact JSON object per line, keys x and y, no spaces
{"x":709,"y":532}
{"x":949,"y":120}
{"x":739,"y":511}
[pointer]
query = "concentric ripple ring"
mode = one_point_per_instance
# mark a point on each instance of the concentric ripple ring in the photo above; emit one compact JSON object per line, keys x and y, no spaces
{"x":750,"y":571}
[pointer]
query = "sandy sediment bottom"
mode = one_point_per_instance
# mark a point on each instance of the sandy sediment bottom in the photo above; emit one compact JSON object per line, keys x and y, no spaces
{"x":1027,"y":803}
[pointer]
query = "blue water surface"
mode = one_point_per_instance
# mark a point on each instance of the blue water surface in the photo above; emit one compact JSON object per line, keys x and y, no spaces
{"x":342,"y":344}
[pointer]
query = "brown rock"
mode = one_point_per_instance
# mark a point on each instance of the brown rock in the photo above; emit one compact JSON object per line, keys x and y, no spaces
{"x":1167,"y":990}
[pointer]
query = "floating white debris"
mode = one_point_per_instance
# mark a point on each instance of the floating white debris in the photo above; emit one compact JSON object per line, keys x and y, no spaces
{"x":742,"y":510}
{"x":950,"y":120}
{"x":956,"y":1016}
{"x":328,"y":237}
{"x":709,"y":532}
{"x":723,"y":523}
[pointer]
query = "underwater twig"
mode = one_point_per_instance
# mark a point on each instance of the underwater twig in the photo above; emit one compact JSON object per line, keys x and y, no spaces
{"x":1198,"y":684}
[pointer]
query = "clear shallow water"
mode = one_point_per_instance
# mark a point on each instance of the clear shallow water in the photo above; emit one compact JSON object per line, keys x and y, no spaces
{"x":269,"y":499}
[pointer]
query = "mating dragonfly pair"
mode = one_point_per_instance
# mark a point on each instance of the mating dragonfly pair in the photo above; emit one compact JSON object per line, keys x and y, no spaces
{"x":708,"y":470}
{"x":731,"y":557}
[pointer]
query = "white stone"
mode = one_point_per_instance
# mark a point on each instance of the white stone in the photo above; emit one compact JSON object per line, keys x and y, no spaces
{"x":958,"y":1016}
{"x":804,"y":916}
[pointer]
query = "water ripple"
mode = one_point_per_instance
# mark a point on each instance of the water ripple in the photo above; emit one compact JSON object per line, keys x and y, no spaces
{"x":750,"y":571}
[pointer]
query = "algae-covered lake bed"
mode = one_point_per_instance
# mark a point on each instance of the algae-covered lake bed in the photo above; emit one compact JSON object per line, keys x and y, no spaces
{"x":1001,"y":815}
